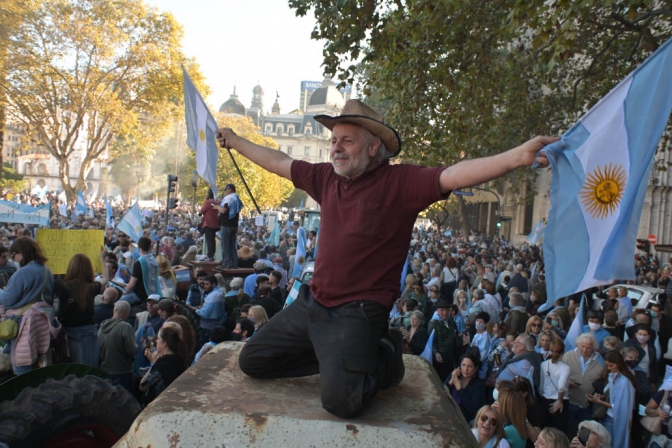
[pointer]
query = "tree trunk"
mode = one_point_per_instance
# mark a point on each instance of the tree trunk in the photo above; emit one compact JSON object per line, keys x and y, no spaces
{"x":462,"y":211}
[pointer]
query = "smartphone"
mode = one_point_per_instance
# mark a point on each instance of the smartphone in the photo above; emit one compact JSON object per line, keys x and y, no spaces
{"x":584,"y":434}
{"x":549,"y":320}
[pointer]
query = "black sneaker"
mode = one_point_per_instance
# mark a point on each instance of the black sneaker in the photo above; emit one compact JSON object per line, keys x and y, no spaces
{"x":390,"y":346}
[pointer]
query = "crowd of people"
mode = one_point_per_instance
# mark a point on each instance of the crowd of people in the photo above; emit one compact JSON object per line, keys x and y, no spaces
{"x":472,"y":304}
{"x":517,"y":373}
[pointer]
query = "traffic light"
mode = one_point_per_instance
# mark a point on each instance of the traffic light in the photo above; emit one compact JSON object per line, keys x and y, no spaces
{"x":172,"y":180}
{"x":644,"y":245}
{"x":172,"y":203}
{"x":499,"y":223}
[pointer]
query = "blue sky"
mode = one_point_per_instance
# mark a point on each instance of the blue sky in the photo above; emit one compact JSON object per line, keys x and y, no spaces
{"x":245,"y":42}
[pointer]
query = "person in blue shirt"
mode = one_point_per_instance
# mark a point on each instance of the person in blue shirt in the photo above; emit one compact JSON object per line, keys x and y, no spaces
{"x":595,"y":320}
{"x":213,"y":311}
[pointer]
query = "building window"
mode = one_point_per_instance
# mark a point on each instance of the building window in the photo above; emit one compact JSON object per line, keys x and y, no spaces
{"x":279,"y":129}
{"x":290,"y":130}
{"x":306,"y":151}
{"x":309,"y":131}
{"x":320,"y":154}
{"x":268,"y":128}
{"x":289,"y":150}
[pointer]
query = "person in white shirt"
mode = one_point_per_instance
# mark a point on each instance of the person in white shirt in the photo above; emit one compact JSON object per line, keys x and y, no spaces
{"x":554,"y":381}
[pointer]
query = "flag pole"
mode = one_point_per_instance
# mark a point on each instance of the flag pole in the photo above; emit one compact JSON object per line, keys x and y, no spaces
{"x":243,"y":179}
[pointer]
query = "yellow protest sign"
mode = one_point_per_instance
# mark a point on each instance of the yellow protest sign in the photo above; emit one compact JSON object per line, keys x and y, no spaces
{"x":59,"y":246}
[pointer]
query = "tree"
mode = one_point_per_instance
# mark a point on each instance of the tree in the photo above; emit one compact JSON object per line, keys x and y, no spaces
{"x":11,"y":181}
{"x":84,"y":74}
{"x":268,"y":189}
{"x":468,"y":79}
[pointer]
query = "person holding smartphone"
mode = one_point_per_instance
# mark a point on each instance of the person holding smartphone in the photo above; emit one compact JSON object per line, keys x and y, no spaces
{"x":591,"y":435}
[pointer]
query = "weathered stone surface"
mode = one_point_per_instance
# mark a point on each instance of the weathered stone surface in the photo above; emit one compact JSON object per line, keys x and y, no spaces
{"x":213,"y":404}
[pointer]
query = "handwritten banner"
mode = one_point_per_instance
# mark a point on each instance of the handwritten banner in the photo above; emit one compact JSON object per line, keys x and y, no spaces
{"x":59,"y":246}
{"x":24,"y":214}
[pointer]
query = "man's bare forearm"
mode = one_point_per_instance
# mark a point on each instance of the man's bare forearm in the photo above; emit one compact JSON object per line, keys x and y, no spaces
{"x":270,"y":159}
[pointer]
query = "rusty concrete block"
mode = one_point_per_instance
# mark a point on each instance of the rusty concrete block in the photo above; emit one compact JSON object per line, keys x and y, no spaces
{"x":213,"y":404}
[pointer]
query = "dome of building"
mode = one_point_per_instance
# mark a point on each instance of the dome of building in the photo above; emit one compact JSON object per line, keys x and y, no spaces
{"x":327,"y":95}
{"x":233,"y":105}
{"x":257,"y":89}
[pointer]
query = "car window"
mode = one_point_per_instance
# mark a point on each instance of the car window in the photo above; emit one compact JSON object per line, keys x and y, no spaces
{"x":634,"y":296}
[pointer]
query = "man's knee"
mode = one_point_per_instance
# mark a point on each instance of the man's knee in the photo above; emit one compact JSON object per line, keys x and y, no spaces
{"x":250,"y":364}
{"x":341,"y":403}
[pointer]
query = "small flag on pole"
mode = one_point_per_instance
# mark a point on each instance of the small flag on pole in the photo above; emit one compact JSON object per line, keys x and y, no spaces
{"x":109,"y":221}
{"x":576,"y":328}
{"x":300,"y":257}
{"x":80,"y":205}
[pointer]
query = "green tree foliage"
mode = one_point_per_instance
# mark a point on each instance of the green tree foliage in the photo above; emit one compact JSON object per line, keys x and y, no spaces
{"x":11,"y":181}
{"x":472,"y":78}
{"x":88,"y":73}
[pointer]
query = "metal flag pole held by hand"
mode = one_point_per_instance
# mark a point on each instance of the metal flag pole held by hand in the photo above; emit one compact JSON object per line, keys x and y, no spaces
{"x":228,"y":149}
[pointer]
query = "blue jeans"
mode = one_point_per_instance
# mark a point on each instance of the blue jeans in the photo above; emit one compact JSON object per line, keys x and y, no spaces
{"x":131,"y":298}
{"x":229,"y":245}
{"x":576,"y":415}
{"x":83,"y":345}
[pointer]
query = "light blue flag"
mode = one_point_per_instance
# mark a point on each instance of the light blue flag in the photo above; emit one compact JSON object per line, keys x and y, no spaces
{"x":80,"y":205}
{"x":301,"y":204}
{"x":293,"y":293}
{"x":109,"y":221}
{"x":576,"y":328}
{"x":317,"y":241}
{"x":300,"y":258}
{"x":535,"y":236}
{"x":600,"y":168}
{"x":404,"y":273}
{"x":131,"y":223}
{"x":427,"y":352}
{"x":201,"y":130}
{"x":274,"y":239}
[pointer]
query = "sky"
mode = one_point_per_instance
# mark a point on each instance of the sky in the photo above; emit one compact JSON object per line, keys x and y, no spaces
{"x":243,"y":43}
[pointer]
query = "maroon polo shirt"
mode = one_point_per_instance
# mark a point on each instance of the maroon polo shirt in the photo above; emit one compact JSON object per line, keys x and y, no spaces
{"x":365,"y":228}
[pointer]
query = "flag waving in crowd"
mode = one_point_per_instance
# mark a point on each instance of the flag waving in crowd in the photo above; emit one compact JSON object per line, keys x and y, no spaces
{"x":600,"y":171}
{"x":201,"y":129}
{"x":80,"y":205}
{"x":131,"y":223}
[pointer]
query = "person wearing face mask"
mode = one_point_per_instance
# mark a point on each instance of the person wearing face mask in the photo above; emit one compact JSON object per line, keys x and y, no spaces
{"x":517,"y":318}
{"x":644,"y":344}
{"x":480,"y":342}
{"x":643,"y":386}
{"x":462,"y":301}
{"x":595,"y":327}
{"x":554,"y":386}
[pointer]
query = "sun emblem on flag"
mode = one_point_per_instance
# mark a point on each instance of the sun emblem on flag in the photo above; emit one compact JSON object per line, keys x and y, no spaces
{"x":201,"y":134}
{"x":603,"y":190}
{"x":301,"y":260}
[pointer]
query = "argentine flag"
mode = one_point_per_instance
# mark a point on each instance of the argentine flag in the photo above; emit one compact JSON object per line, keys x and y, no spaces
{"x":109,"y":222}
{"x":80,"y":205}
{"x":131,"y":223}
{"x":201,"y":129}
{"x":576,"y":329}
{"x":300,"y":257}
{"x":538,"y":231}
{"x":274,"y":239}
{"x":600,"y":170}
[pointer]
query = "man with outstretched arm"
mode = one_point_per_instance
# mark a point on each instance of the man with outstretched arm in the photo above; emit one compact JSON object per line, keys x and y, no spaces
{"x":338,"y":326}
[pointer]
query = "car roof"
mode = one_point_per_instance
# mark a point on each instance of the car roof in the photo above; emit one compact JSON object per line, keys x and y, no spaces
{"x":639,"y":287}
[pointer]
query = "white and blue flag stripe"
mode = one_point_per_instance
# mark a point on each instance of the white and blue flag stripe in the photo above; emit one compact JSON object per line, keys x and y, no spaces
{"x":600,"y":171}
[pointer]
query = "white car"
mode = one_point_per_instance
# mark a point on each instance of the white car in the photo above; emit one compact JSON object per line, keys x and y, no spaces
{"x":640,"y":296}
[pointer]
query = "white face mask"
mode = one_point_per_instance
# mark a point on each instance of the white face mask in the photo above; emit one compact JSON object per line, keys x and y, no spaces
{"x":495,"y":394}
{"x":593,"y":326}
{"x":480,"y":327}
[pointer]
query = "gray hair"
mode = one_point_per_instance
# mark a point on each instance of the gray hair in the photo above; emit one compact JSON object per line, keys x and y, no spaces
{"x":122,"y":307}
{"x":528,"y":341}
{"x":419,"y":315}
{"x":383,"y":153}
{"x":599,"y":430}
{"x":478,"y":294}
{"x":588,"y":338}
{"x":516,"y":299}
{"x":616,"y":344}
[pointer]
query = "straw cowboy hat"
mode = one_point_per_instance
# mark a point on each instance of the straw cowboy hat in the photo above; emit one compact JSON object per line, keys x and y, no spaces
{"x":245,"y":252}
{"x":358,"y":113}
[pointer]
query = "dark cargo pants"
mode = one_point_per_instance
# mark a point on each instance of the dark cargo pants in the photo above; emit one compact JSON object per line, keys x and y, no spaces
{"x":341,"y":344}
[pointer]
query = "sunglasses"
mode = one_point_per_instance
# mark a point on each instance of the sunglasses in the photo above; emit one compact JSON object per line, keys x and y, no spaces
{"x":535,"y":325}
{"x":485,"y":418}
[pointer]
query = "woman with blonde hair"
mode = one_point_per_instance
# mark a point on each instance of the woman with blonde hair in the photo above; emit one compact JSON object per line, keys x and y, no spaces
{"x":411,"y":280}
{"x":513,"y":412}
{"x":257,"y":314}
{"x":488,"y":429}
{"x":167,"y":280}
{"x":533,"y":327}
